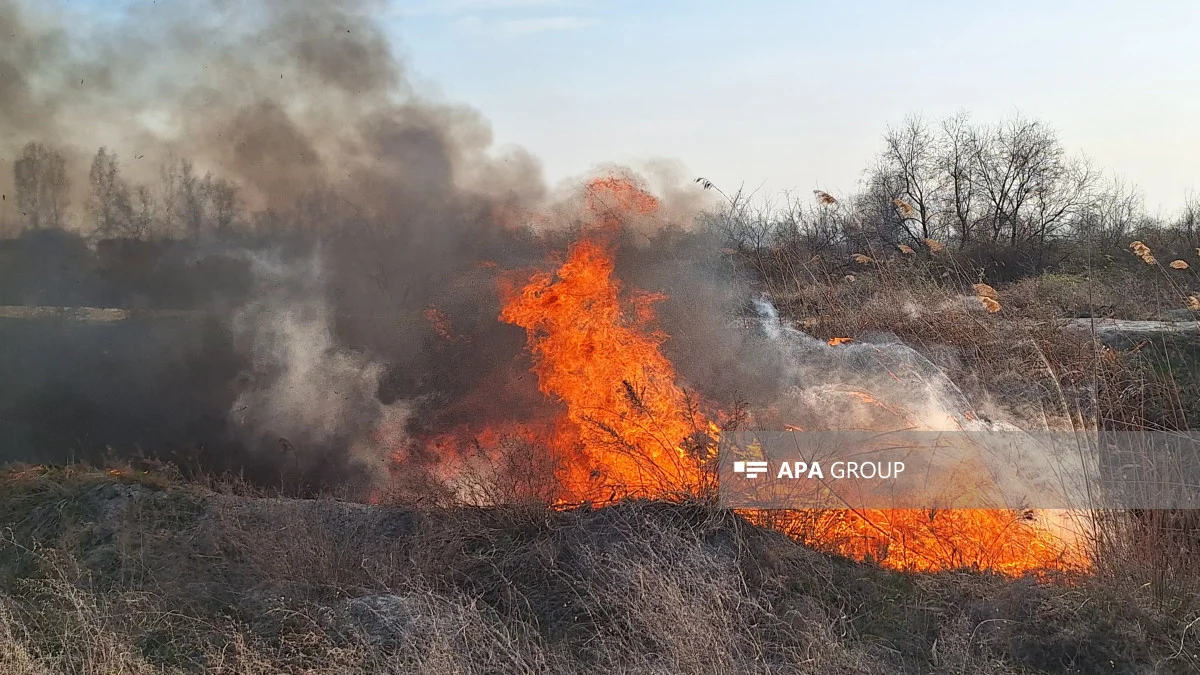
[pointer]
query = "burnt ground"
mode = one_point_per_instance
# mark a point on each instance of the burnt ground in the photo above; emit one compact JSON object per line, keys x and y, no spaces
{"x":139,"y":573}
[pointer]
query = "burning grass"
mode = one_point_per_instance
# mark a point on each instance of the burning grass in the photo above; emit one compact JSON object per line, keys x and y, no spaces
{"x":628,"y":427}
{"x":1009,"y":542}
{"x":598,"y":354}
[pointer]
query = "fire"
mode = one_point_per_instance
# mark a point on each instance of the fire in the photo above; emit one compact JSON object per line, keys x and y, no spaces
{"x":611,"y":200}
{"x":926,"y":540}
{"x":628,"y":428}
{"x":597,"y":353}
{"x":632,"y":430}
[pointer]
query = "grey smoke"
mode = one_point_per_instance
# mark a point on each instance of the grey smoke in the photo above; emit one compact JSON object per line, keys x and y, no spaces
{"x":283,"y":98}
{"x":302,"y":387}
{"x":997,"y":460}
{"x":306,"y":109}
{"x":377,"y":202}
{"x":823,"y":380}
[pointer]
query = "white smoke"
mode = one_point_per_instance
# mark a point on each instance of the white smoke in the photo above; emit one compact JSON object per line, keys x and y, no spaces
{"x":875,"y":383}
{"x":881,"y":384}
{"x":303,"y":390}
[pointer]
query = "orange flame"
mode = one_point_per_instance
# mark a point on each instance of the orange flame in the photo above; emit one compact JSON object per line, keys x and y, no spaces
{"x":611,"y":200}
{"x":1007,"y":541}
{"x":628,"y":428}
{"x":597,"y":353}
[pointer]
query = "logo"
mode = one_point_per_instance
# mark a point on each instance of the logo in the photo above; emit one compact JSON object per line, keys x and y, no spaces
{"x":751,"y":469}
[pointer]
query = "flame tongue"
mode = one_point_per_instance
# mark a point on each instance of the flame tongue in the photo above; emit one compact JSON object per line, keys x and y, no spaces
{"x":627,"y":429}
{"x":601,"y":358}
{"x":1003,"y":540}
{"x":611,"y":201}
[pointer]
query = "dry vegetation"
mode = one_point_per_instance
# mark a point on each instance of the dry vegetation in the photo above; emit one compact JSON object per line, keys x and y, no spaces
{"x":132,"y":572}
{"x":1013,"y":348}
{"x":140,"y":572}
{"x":135,"y":573}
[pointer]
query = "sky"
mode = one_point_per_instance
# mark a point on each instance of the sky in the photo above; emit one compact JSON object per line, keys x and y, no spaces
{"x":796,"y":96}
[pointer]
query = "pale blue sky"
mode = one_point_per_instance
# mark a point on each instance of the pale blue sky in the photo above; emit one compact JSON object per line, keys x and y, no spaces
{"x":797,"y":94}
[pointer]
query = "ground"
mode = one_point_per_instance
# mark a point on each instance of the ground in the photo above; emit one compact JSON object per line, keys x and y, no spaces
{"x":140,"y":573}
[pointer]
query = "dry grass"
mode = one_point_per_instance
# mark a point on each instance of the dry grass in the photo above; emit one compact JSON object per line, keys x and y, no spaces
{"x":1014,"y":358}
{"x":135,"y":572}
{"x":1120,"y":294}
{"x":1005,"y":345}
{"x":105,"y":574}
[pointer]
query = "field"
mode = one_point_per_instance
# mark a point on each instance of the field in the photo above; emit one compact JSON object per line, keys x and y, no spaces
{"x":135,"y":568}
{"x":134,"y":572}
{"x":512,"y":545}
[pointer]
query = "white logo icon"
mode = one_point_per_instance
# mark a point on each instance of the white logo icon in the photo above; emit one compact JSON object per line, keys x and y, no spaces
{"x":751,"y":469}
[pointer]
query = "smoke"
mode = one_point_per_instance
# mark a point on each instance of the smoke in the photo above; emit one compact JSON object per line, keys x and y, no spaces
{"x":302,"y":390}
{"x":876,"y":383}
{"x":304,"y":109}
{"x":281,"y":98}
{"x":883,"y":385}
{"x":354,"y":306}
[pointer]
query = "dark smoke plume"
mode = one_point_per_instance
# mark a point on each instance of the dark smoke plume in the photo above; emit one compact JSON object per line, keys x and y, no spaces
{"x":333,"y":235}
{"x":282,"y":98}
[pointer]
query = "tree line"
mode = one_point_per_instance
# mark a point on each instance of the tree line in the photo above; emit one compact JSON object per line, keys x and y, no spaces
{"x":1004,"y":195}
{"x":183,"y":205}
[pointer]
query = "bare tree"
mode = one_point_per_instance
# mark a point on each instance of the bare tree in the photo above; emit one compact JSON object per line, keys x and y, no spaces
{"x":908,"y":176}
{"x":1028,"y":187}
{"x":191,"y":200}
{"x":187,"y":204}
{"x":109,"y":203}
{"x":1188,"y":221}
{"x":878,"y":209}
{"x":168,"y":199}
{"x":802,"y":227}
{"x":222,"y":197}
{"x":42,"y":187}
{"x":956,"y":169}
{"x":1059,"y":197}
{"x":1110,"y":218}
{"x":144,"y":213}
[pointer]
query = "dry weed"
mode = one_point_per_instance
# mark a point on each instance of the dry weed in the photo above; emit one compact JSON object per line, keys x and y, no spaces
{"x":985,"y":291}
{"x":824,"y":198}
